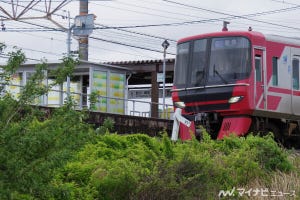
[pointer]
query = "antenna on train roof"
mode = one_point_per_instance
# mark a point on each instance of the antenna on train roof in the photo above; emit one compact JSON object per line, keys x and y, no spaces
{"x":225,"y":23}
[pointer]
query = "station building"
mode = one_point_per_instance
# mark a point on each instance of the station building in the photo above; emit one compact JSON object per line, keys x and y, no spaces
{"x":115,"y":83}
{"x":108,"y":81}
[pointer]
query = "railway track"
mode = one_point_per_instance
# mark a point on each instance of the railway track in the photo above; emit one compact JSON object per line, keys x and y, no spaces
{"x":126,"y":124}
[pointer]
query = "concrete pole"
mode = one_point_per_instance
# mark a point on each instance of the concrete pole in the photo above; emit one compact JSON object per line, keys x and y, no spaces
{"x":83,"y":40}
{"x":68,"y":53}
{"x":165,"y":45}
{"x":154,"y":92}
{"x":164,"y":84}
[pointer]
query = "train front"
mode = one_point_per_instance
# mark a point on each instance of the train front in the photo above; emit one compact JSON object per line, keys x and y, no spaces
{"x":212,"y":82}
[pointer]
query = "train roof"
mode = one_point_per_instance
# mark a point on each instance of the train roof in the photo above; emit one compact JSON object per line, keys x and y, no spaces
{"x":222,"y":34}
{"x":283,"y":39}
{"x":268,"y":37}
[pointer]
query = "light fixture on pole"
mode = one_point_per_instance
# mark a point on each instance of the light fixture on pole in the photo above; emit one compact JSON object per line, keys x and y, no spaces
{"x":165,"y":45}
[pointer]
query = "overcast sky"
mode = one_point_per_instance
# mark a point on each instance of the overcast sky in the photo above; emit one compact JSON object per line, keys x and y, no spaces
{"x":142,"y":25}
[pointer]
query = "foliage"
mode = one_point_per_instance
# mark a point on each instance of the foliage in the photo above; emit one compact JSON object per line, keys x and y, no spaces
{"x":16,"y":58}
{"x":31,"y":150}
{"x":2,"y":47}
{"x":34,"y":87}
{"x":32,"y":147}
{"x":61,"y":157}
{"x":64,"y":70}
{"x":108,"y":126}
{"x":140,"y":167}
{"x":93,"y":99}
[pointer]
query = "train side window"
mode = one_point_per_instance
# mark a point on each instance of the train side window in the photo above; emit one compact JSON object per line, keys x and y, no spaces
{"x":275,"y":71}
{"x":296,"y":74}
{"x":258,"y":67}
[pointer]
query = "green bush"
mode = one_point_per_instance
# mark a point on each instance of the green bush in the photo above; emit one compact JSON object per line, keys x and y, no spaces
{"x":140,"y":167}
{"x":107,"y":127}
{"x":63,"y":158}
{"x":32,"y":150}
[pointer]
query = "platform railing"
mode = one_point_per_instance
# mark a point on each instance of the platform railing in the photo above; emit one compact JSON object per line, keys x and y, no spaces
{"x":131,"y":107}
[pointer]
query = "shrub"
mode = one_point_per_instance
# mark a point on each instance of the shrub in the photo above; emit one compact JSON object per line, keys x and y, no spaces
{"x":140,"y":167}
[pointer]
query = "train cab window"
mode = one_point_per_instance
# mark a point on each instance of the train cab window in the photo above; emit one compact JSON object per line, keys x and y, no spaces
{"x":258,"y":66}
{"x":275,"y":71}
{"x":198,"y":63}
{"x":296,"y":74}
{"x":181,"y":65}
{"x":228,"y":60}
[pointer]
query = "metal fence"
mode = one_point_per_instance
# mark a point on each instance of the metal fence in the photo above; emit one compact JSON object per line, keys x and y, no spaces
{"x":131,"y":107}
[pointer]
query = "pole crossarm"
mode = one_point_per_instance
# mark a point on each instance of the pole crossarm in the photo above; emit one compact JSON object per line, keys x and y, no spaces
{"x":25,"y":10}
{"x":18,"y":9}
{"x":62,"y":4}
{"x":6,"y":13}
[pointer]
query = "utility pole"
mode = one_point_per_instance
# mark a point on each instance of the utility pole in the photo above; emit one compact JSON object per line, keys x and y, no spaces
{"x":70,"y":27}
{"x":165,"y":45}
{"x":83,"y":40}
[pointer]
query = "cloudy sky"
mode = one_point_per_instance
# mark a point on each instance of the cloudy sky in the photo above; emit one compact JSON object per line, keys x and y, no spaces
{"x":135,"y":29}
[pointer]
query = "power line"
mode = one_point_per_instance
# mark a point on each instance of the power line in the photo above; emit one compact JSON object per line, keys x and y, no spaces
{"x":134,"y":32}
{"x":127,"y":37}
{"x":128,"y":45}
{"x":284,"y":2}
{"x":247,"y":17}
{"x":144,"y":13}
{"x":114,"y":42}
{"x":3,"y":55}
{"x":153,"y":9}
{"x":243,"y":16}
{"x":22,"y":30}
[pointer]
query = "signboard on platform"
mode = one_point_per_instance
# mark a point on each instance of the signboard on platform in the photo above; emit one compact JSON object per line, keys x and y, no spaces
{"x":160,"y":77}
{"x":116,"y":91}
{"x":100,"y":87}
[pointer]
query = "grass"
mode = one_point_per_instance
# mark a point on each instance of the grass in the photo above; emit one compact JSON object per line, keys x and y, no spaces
{"x":282,"y":185}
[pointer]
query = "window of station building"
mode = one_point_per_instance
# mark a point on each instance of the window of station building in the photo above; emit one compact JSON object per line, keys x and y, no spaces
{"x":275,"y":71}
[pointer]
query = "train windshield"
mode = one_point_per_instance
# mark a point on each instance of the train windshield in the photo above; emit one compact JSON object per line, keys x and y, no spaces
{"x":212,"y":61}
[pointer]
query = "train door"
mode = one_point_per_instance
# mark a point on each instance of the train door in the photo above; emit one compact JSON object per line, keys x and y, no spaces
{"x":295,"y":85}
{"x":259,"y":75}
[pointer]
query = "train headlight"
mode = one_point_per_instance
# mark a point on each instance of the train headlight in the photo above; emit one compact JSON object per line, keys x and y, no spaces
{"x":179,"y":104}
{"x":235,"y":99}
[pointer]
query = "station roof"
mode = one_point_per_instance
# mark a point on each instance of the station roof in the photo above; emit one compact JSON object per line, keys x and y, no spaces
{"x":138,"y":62}
{"x":114,"y":66}
{"x":139,"y":66}
{"x":142,"y":69}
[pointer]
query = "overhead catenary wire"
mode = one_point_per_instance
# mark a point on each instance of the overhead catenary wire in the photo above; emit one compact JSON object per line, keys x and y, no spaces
{"x":201,"y":21}
{"x":135,"y":41}
{"x":129,"y":45}
{"x":247,"y":16}
{"x":129,"y":31}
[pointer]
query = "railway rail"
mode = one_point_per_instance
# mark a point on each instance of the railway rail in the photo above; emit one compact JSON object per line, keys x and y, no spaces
{"x":126,"y":124}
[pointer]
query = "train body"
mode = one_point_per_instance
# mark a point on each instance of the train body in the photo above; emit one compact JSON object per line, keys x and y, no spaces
{"x":239,"y":82}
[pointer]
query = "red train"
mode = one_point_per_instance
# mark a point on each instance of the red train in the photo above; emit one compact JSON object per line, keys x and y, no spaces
{"x":239,"y":82}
